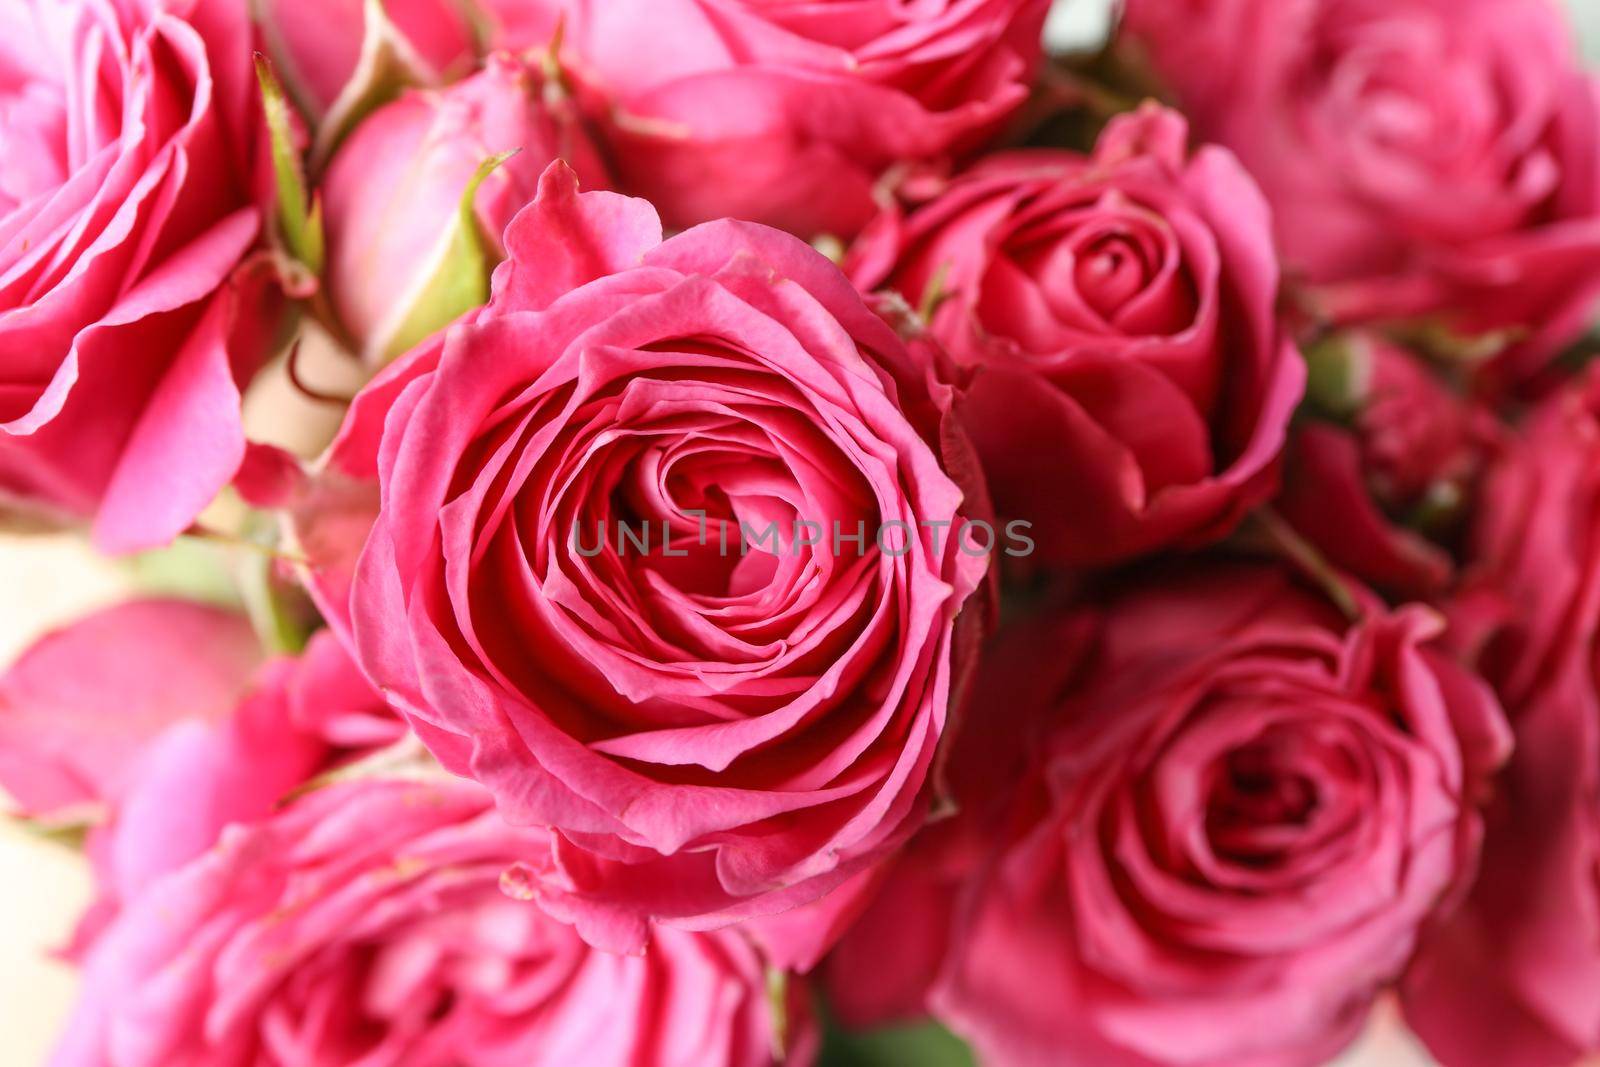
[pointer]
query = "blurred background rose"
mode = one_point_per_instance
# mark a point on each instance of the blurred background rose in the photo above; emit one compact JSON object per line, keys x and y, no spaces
{"x":50,"y":581}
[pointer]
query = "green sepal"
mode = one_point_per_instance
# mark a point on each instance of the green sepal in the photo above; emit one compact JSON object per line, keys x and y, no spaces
{"x":1338,"y":375}
{"x":299,"y":220}
{"x":386,"y":67}
{"x":460,"y":280}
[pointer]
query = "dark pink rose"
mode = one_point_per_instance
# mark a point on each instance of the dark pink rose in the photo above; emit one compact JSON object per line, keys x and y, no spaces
{"x":670,"y":556}
{"x":1134,"y":386}
{"x":155,"y":724}
{"x":1514,"y":979}
{"x":374,"y":922}
{"x":1243,"y":809}
{"x":400,"y":264}
{"x":883,"y":968}
{"x":1422,"y":157}
{"x":125,"y":205}
{"x":789,"y":112}
{"x":1380,"y":483}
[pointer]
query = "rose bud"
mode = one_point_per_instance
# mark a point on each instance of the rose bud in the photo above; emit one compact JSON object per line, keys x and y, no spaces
{"x":1513,"y":980}
{"x":328,"y":51}
{"x":375,"y":921}
{"x":1134,"y":386}
{"x":1379,"y":482}
{"x":1425,"y":159}
{"x":1242,"y":810}
{"x":414,"y":223}
{"x":126,"y":164}
{"x":788,"y":114}
{"x":671,"y":546}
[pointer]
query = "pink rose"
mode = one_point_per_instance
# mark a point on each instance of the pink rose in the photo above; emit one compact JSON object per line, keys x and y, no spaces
{"x":1379,"y":483}
{"x":402,"y":259}
{"x":154,"y":723}
{"x":788,"y":112}
{"x":323,"y":51}
{"x":668,"y":557}
{"x":1134,"y":386}
{"x":1423,"y":157}
{"x":1514,"y":980}
{"x":1242,"y":811}
{"x":366,"y":923}
{"x":125,"y":205}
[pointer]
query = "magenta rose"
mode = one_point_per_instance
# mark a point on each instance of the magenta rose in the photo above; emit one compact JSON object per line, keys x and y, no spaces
{"x":1134,"y":386}
{"x":1514,"y":979}
{"x":1243,"y":809}
{"x":400,"y":264}
{"x":373,"y":922}
{"x":670,"y":556}
{"x":789,"y":112}
{"x":125,"y":205}
{"x":1379,"y":476}
{"x":1422,"y":157}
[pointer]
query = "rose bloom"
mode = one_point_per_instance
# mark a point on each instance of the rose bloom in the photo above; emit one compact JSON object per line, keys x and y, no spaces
{"x":366,"y":923}
{"x":1134,"y":386}
{"x":1422,"y":157}
{"x":155,"y":723}
{"x":1514,"y":980}
{"x":1242,"y":810}
{"x":393,"y":198}
{"x":788,"y":112}
{"x":124,"y":207}
{"x":739,"y":712}
{"x":1379,"y":488}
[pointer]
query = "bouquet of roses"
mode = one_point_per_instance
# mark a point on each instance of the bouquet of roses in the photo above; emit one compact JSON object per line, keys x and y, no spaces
{"x":783,"y":531}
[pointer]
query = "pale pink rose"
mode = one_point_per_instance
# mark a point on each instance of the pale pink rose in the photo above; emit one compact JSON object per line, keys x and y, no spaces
{"x":1134,"y":386}
{"x":125,"y":204}
{"x":1379,"y":484}
{"x":374,"y":922}
{"x":394,"y":194}
{"x":1243,"y":810}
{"x":789,"y":112}
{"x":1422,"y":157}
{"x":1514,"y":979}
{"x":715,"y":732}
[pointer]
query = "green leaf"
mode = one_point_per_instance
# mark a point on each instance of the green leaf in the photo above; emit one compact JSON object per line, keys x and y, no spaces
{"x":459,"y":281}
{"x":926,"y":1045}
{"x":299,"y":222}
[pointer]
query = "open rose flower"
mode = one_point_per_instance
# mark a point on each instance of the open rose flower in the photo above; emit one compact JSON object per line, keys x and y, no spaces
{"x":366,"y":923}
{"x":125,"y":205}
{"x":1379,"y":481}
{"x":1243,"y":810}
{"x":788,"y":113}
{"x":1135,"y":387}
{"x":155,"y":724}
{"x":1514,"y":979}
{"x":1422,"y":157}
{"x":670,"y":556}
{"x":414,"y":226}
